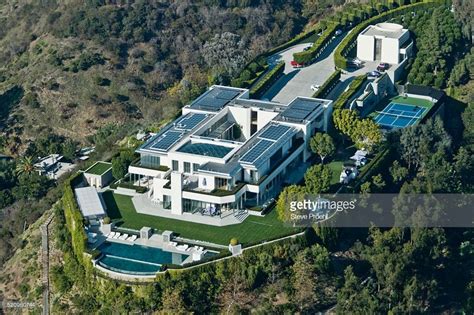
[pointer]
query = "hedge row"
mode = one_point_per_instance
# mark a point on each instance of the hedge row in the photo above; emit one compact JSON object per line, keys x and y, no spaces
{"x":74,"y":220}
{"x":309,"y":55}
{"x":353,"y":88}
{"x":381,"y":161}
{"x":347,"y":44}
{"x":328,"y":85}
{"x":267,"y":80}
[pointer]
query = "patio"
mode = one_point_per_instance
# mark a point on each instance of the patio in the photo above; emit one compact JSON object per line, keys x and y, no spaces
{"x":144,"y":205}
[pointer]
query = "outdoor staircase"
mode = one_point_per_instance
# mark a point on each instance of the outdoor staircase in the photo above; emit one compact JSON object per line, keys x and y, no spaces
{"x":241,"y":215}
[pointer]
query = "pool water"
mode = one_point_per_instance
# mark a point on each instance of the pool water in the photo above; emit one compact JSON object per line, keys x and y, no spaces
{"x":136,"y":259}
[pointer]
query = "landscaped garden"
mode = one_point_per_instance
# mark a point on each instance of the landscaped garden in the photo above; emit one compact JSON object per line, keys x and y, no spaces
{"x":99,"y":168}
{"x":253,"y":230}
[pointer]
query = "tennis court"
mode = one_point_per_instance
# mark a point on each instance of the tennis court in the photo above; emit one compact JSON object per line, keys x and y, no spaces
{"x":397,"y":115}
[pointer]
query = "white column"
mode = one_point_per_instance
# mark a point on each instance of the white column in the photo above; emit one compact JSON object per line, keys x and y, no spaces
{"x":176,"y":193}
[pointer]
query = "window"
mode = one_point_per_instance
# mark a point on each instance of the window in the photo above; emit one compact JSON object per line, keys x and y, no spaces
{"x":195,"y":167}
{"x":254,"y":115}
{"x":150,"y":161}
{"x":175,"y":165}
{"x":187,"y":167}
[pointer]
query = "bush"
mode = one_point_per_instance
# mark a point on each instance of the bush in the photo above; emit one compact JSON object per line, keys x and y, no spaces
{"x":234,"y":241}
{"x":353,"y":88}
{"x":267,"y":80}
{"x":102,"y":81}
{"x":254,"y":67}
{"x":106,"y":220}
{"x":328,"y":85}
{"x":312,"y":53}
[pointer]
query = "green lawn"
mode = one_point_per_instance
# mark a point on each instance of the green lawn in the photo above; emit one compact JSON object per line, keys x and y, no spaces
{"x":253,"y":229}
{"x":412,"y":101}
{"x":99,"y":168}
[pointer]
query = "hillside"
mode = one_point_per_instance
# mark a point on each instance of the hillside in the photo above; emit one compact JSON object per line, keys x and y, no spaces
{"x":69,"y":69}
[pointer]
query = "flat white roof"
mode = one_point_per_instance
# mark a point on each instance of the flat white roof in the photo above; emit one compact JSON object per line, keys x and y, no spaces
{"x":89,"y":202}
{"x":390,"y":30}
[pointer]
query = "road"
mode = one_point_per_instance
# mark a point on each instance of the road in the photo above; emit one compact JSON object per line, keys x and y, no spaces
{"x":45,"y":261}
{"x":297,"y":82}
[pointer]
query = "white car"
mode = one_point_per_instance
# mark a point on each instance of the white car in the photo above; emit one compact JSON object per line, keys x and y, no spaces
{"x":315,"y":87}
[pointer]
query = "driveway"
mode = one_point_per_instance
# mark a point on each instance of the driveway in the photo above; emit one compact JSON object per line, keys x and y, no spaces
{"x":297,"y":82}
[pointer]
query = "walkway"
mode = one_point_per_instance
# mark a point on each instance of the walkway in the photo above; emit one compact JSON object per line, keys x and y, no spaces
{"x":145,"y":206}
{"x":45,"y":260}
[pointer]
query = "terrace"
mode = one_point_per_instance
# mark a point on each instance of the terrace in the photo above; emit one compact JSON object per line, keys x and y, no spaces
{"x":99,"y":168}
{"x":121,"y":210}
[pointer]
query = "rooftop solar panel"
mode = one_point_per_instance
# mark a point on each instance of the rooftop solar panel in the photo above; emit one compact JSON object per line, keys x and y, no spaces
{"x":274,"y":132}
{"x":256,"y":151}
{"x":216,"y":98}
{"x":167,"y":140}
{"x":227,"y":94}
{"x":206,"y":149}
{"x":190,"y":121}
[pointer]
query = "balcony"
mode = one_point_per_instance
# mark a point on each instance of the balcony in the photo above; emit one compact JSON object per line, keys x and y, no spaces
{"x":161,"y":168}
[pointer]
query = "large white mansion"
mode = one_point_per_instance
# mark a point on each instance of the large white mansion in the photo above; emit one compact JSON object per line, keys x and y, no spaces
{"x":228,"y":152}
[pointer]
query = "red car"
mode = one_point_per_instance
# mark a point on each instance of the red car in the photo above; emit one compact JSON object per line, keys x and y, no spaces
{"x":294,"y":64}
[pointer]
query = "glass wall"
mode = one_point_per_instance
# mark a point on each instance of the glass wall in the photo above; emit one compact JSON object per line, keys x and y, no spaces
{"x":149,"y":161}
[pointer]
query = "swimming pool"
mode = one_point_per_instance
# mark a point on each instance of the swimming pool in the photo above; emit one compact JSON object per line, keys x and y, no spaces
{"x":136,"y":259}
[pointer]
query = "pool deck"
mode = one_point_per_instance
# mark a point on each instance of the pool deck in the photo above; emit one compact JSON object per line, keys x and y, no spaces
{"x":154,"y":241}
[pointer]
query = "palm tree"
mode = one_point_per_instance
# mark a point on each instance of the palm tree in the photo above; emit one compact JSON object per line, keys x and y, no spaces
{"x":25,"y":166}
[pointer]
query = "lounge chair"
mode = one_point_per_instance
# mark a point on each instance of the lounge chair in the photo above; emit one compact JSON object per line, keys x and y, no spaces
{"x":132,"y":238}
{"x":111,"y":235}
{"x":173,"y":244}
{"x":123,"y":237}
{"x":117,"y":235}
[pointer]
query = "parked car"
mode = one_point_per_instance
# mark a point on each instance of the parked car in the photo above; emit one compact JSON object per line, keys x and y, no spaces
{"x":306,"y":48}
{"x":337,"y":33}
{"x":383,"y":66}
{"x":315,"y":87}
{"x":294,"y":64}
{"x":373,"y":74}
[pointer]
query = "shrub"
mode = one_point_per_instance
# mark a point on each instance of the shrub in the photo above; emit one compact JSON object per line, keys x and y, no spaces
{"x":312,"y":53}
{"x":102,"y":81}
{"x":328,"y":85}
{"x":255,"y":67}
{"x":106,"y":220}
{"x":267,"y":80}
{"x":234,"y":241}
{"x":353,"y":88}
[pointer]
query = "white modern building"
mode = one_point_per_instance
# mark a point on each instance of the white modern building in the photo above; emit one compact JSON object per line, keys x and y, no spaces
{"x":384,"y":42}
{"x":228,"y":152}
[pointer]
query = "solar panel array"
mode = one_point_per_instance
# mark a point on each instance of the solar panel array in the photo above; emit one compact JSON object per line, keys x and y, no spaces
{"x":167,"y":140}
{"x":300,"y":109}
{"x":190,"y":121}
{"x":274,"y":132}
{"x":256,"y":151}
{"x":215,"y":99}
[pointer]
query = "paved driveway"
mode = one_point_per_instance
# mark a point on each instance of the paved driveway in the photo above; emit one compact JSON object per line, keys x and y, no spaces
{"x":297,"y":82}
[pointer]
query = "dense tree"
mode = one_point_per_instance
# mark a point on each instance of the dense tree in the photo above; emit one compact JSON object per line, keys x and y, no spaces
{"x":304,"y":281}
{"x":366,"y":134}
{"x":345,"y":120}
{"x":288,"y":195}
{"x":323,"y":145}
{"x":317,"y":179}
{"x":398,"y":172}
